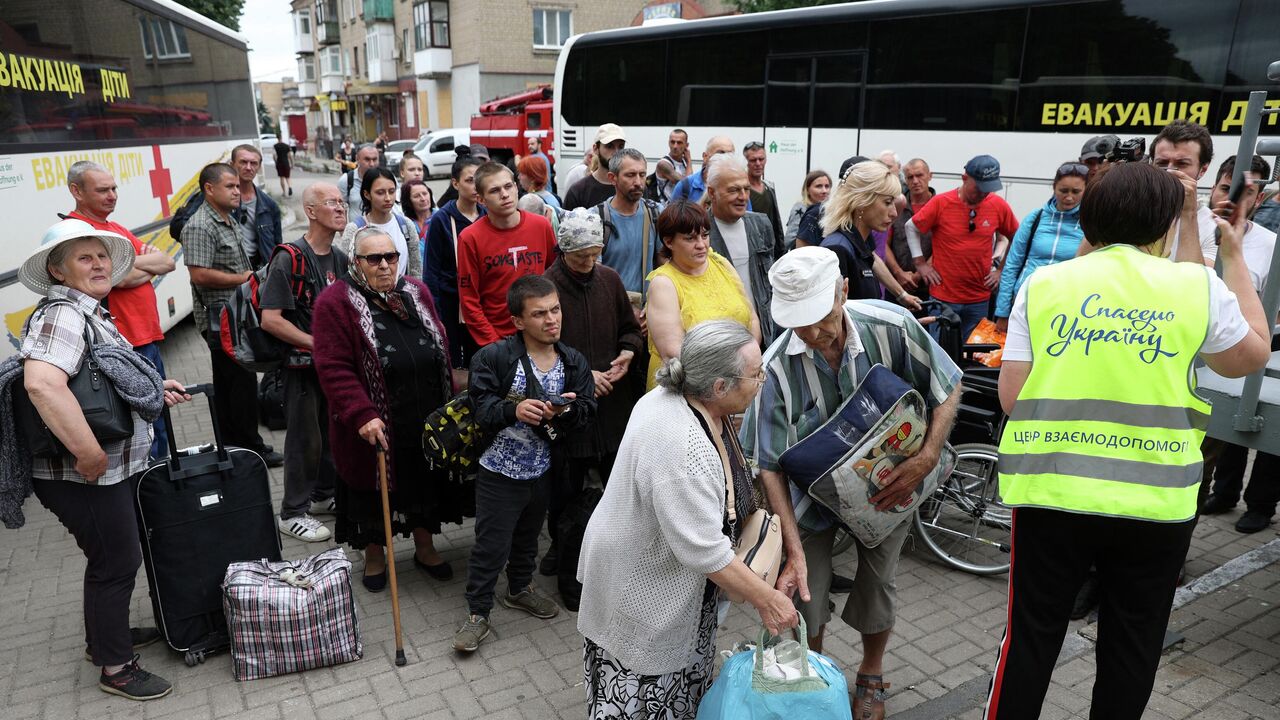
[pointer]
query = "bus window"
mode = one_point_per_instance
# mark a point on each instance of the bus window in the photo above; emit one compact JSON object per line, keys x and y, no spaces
{"x":1256,"y":36}
{"x":626,"y":81}
{"x":788,"y":100}
{"x":726,"y":92}
{"x":837,"y":91}
{"x":924,"y":74}
{"x":1123,"y":68}
{"x":136,"y":74}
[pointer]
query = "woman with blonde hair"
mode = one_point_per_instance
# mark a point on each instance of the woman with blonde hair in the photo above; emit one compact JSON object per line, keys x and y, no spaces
{"x":815,"y":190}
{"x":861,"y":204}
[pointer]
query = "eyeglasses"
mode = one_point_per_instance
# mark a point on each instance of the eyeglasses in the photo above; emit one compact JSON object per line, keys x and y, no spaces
{"x":753,"y":145}
{"x":759,"y":377}
{"x":973,"y":214}
{"x":333,"y":204}
{"x":390,"y":258}
{"x":1073,"y":168}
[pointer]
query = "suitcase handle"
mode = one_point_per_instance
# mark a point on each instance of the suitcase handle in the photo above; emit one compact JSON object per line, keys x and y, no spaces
{"x":176,"y":473}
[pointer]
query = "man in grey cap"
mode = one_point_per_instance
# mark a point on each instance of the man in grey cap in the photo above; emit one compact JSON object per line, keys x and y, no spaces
{"x":826,"y":347}
{"x":1094,"y":152}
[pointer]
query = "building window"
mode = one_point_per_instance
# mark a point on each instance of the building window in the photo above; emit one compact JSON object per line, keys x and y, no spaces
{"x":355,"y":60}
{"x":162,"y":40}
{"x":394,"y":101}
{"x":431,"y":25}
{"x":406,"y":57}
{"x":346,"y":63}
{"x":408,"y":110}
{"x":304,"y":22}
{"x":551,"y":28}
{"x":331,"y":60}
{"x":306,"y":70}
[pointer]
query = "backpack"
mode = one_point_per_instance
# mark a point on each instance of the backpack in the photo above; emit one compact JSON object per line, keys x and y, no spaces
{"x":651,"y":187}
{"x":451,"y":440}
{"x":237,"y":320}
{"x":271,"y":400}
{"x":648,"y":247}
{"x":180,"y":218}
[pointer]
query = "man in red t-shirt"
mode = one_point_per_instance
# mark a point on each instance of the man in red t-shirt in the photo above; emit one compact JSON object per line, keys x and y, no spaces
{"x":505,"y":244}
{"x":971,"y":228}
{"x":132,"y":303}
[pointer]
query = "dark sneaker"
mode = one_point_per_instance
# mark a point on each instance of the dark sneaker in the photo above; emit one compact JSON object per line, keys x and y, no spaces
{"x":550,"y":564}
{"x":1252,"y":521}
{"x":138,"y":638}
{"x":472,"y":633}
{"x":841,"y":584}
{"x":1216,"y":505}
{"x":1086,"y":599}
{"x":134,"y":683}
{"x":532,"y":603}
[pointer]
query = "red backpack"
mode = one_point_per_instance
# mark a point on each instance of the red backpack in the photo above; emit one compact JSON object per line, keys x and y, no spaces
{"x":237,"y":320}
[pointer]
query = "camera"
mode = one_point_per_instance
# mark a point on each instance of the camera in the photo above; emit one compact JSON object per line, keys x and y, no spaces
{"x":1132,"y":150}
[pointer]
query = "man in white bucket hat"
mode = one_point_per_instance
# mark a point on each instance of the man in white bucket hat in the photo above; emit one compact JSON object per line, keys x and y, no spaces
{"x":827,"y":346}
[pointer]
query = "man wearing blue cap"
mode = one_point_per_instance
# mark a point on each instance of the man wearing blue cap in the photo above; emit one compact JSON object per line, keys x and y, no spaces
{"x":971,"y":227}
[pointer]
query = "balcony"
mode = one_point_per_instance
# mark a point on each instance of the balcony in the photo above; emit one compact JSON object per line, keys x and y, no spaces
{"x":380,"y":53}
{"x":332,"y":84}
{"x":327,"y":32}
{"x":306,"y":89}
{"x":433,"y":63}
{"x":302,"y":42}
{"x":379,"y":11}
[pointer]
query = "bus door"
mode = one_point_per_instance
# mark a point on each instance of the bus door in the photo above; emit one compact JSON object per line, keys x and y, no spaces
{"x":812,"y":112}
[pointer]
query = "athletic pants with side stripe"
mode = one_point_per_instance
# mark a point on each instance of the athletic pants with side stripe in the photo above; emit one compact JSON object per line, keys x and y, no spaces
{"x":1138,"y":564}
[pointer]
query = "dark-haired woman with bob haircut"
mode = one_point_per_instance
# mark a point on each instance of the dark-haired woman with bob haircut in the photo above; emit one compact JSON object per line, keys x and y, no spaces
{"x":1101,"y":457}
{"x":695,"y":285}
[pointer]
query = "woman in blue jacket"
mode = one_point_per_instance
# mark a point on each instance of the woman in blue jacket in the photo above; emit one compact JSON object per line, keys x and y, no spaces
{"x":1048,"y":235}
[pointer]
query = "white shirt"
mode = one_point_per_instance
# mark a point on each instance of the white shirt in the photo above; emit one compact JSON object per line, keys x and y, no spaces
{"x":1208,"y":234}
{"x":393,"y":231}
{"x":1227,"y":325}
{"x":1259,"y":243}
{"x":735,"y":241}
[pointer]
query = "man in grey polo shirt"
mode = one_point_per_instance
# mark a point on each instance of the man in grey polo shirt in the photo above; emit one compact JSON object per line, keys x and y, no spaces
{"x":827,"y":346}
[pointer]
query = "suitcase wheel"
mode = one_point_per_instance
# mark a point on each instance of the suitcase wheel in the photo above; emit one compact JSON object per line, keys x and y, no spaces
{"x":193,"y":658}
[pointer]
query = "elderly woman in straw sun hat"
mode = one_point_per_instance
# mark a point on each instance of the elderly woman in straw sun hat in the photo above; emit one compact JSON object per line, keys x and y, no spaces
{"x":82,"y":482}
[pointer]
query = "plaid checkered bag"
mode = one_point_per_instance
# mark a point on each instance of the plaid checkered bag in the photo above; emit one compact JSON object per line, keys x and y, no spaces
{"x":284,"y":617}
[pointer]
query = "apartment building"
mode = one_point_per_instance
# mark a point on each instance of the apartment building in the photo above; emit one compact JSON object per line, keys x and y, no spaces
{"x":404,"y":67}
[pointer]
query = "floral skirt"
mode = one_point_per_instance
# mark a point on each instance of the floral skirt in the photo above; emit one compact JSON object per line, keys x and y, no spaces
{"x":616,"y":693}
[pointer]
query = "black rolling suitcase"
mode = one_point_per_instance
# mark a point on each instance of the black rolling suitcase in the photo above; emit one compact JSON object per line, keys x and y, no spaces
{"x":198,"y":512}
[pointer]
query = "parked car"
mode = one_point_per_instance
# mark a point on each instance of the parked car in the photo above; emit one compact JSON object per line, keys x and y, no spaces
{"x":395,"y":151}
{"x":436,"y":150}
{"x":267,"y":141}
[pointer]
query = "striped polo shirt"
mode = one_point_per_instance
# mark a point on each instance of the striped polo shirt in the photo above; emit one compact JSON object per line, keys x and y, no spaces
{"x":787,"y":408}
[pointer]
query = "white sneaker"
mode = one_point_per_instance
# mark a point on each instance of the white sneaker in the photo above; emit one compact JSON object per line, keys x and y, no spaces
{"x":304,"y":528}
{"x":324,"y":507}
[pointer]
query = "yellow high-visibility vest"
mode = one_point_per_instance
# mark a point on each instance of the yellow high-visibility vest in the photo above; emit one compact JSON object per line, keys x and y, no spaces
{"x":1108,"y":422}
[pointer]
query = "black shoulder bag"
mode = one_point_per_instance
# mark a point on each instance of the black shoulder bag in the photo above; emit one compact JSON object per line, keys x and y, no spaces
{"x":110,"y":418}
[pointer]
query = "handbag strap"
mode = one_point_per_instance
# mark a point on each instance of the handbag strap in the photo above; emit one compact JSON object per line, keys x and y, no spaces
{"x":453,"y":229}
{"x":730,"y":501}
{"x":532,"y":388}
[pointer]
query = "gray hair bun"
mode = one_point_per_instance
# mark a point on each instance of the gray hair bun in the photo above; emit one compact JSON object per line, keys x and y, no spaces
{"x":671,"y":375}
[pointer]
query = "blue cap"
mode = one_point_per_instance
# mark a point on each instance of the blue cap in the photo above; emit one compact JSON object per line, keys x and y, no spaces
{"x":985,"y":171}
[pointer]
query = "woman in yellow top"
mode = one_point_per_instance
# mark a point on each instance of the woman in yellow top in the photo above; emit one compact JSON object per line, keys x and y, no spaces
{"x":696,"y":284}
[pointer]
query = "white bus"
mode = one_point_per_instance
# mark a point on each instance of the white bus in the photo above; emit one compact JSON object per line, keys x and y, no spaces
{"x":1027,"y":81}
{"x":147,"y":88}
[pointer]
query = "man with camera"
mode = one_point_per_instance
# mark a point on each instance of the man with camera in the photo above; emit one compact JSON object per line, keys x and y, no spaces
{"x":530,"y":390}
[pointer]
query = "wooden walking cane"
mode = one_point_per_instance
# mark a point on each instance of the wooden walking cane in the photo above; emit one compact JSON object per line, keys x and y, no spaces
{"x":391,"y":555}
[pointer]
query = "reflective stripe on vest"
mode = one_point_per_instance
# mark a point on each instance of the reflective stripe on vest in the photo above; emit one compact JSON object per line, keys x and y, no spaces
{"x":1108,"y":422}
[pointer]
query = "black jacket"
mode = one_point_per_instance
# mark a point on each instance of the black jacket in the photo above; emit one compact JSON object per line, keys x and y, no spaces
{"x":493,"y":370}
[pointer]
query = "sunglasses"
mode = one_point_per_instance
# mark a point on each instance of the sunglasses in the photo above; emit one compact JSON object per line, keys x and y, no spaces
{"x":390,"y":258}
{"x":1073,"y":168}
{"x":973,"y":215}
{"x":753,"y":145}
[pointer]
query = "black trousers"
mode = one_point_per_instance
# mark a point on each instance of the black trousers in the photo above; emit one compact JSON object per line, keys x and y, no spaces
{"x":101,"y":519}
{"x":569,"y":476}
{"x":509,"y":516}
{"x":236,"y":402}
{"x":309,"y":473}
{"x":1138,"y":564}
{"x":1263,"y":491}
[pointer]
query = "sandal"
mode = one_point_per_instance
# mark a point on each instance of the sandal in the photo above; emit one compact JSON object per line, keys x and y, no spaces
{"x":869,"y":697}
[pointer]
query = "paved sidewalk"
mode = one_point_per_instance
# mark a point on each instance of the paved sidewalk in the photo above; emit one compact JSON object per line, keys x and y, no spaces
{"x":949,"y":624}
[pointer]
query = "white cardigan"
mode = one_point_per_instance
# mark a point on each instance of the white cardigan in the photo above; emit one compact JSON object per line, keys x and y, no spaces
{"x":654,"y":537}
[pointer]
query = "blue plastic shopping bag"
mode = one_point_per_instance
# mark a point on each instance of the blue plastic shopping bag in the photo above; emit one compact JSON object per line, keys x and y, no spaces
{"x":743,"y":692}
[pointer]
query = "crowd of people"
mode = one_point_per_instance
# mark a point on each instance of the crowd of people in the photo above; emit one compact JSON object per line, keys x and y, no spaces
{"x":670,"y":337}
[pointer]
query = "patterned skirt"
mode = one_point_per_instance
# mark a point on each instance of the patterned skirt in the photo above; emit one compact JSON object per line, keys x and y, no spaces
{"x":616,"y":693}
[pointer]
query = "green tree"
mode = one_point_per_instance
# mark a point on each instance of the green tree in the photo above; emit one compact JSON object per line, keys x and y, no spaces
{"x":226,"y":12}
{"x":750,"y":6}
{"x":265,"y":121}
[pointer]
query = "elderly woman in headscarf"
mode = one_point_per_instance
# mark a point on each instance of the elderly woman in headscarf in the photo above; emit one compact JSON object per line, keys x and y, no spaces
{"x":78,"y":475}
{"x":383,"y":358}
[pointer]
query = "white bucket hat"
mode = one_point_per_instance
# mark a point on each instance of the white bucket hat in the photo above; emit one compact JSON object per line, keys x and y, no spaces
{"x":34,"y":272}
{"x":804,"y":286}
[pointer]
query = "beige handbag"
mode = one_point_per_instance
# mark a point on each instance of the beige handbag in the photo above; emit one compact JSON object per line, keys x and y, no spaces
{"x":759,"y":543}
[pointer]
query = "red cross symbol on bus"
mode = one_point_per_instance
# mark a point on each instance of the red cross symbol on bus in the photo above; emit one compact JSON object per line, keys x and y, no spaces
{"x":161,"y":182}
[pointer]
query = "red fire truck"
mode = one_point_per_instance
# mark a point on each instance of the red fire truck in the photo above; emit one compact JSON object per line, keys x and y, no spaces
{"x":505,"y":125}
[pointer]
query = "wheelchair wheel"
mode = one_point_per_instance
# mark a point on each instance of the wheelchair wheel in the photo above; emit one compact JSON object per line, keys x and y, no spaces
{"x":963,"y":522}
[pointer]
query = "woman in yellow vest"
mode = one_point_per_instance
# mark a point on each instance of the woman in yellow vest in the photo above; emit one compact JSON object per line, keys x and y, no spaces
{"x":1101,"y":457}
{"x":696,"y":284}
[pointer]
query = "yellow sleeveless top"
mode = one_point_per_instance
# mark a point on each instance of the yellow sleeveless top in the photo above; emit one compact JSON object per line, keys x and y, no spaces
{"x":715,"y":294}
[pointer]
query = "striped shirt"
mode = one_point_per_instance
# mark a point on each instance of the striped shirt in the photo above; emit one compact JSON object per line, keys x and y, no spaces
{"x":55,"y":335}
{"x":801,"y":390}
